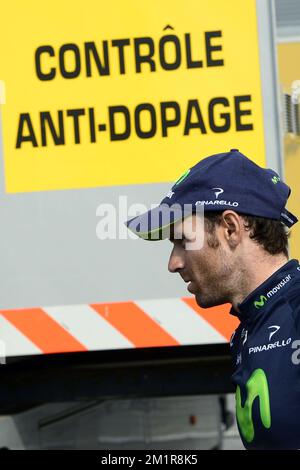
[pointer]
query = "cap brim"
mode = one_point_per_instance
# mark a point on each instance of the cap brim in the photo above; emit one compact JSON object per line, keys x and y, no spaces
{"x":157,"y":223}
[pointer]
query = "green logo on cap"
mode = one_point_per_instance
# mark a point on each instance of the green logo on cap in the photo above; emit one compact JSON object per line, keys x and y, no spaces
{"x":182,"y":177}
{"x":275,"y":179}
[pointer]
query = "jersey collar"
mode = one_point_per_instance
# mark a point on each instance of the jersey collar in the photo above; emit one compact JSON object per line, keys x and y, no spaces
{"x":257,"y":300}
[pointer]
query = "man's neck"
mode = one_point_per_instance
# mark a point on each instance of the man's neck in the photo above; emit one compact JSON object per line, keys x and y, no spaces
{"x":256,"y":273}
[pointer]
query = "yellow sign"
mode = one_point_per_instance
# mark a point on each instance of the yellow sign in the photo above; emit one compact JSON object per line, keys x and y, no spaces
{"x":126,"y":92}
{"x":289,"y":70}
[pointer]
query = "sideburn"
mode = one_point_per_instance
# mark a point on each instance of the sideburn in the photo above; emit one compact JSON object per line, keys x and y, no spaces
{"x":212,"y":240}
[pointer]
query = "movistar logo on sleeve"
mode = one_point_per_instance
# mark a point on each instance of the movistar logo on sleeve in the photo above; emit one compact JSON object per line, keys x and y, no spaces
{"x":261,"y":302}
{"x":256,"y":386}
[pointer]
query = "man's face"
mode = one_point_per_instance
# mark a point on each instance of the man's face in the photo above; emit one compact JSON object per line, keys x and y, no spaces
{"x":203,"y":260}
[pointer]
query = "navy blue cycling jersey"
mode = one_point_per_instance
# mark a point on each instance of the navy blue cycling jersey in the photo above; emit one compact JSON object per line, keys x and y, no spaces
{"x":265,"y":350}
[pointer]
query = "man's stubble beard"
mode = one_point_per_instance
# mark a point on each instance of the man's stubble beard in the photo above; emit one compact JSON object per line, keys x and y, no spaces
{"x":223,"y":287}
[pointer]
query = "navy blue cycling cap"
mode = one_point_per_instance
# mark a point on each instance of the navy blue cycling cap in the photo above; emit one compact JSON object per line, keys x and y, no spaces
{"x":223,"y":181}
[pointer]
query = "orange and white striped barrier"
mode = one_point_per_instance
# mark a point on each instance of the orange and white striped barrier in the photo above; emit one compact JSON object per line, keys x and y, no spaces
{"x":118,"y":325}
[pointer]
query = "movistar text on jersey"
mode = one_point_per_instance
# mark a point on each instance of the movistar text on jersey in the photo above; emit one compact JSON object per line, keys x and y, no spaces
{"x":281,"y":284}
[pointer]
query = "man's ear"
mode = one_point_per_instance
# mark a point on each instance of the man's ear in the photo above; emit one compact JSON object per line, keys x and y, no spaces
{"x":231,"y":222}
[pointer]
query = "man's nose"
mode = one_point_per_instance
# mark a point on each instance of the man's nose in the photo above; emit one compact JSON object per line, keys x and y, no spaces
{"x":176,"y":261}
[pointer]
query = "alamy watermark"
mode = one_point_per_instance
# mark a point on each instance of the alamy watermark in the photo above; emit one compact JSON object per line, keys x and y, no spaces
{"x":296,"y":354}
{"x":164,"y":221}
